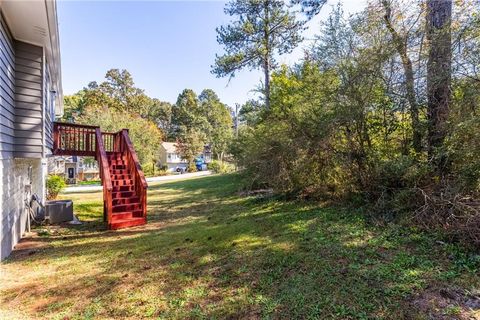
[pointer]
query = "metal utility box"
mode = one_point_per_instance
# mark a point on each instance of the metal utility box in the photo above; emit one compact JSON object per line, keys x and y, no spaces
{"x":59,"y":211}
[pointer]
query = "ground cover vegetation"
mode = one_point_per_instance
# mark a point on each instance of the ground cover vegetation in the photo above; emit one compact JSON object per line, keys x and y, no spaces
{"x":212,"y":252}
{"x":382,"y":111}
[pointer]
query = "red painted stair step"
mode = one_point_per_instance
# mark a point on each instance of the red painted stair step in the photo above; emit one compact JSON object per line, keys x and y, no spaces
{"x":121,"y":176}
{"x":118,"y":167}
{"x":126,"y":215}
{"x":127,"y":207}
{"x":122,"y":182}
{"x":117,"y":162}
{"x":123,"y":188}
{"x":118,"y":171}
{"x":125,"y":200}
{"x":125,"y":223}
{"x":123,"y":194}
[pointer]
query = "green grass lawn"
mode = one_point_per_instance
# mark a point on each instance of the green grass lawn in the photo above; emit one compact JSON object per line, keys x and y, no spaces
{"x":89,"y":182}
{"x":208,"y":252}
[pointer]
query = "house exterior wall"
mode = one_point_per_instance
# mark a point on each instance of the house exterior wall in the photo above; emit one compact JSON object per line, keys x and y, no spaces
{"x":29,"y":107}
{"x":15,"y":186}
{"x":24,"y":94}
{"x":170,"y":160}
{"x":7,"y":92}
{"x":49,"y":111}
{"x":162,"y":156}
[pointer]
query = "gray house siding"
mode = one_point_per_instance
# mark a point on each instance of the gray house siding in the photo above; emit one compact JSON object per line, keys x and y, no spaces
{"x":27,"y":108}
{"x":49,"y":112}
{"x":29,"y":101}
{"x":7,"y":92}
{"x":25,"y":104}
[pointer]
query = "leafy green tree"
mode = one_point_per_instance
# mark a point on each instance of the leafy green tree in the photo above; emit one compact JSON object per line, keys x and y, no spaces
{"x":122,"y":94}
{"x":262,"y":29}
{"x":72,"y":106}
{"x":310,"y":7}
{"x":186,"y":113}
{"x":250,"y":113}
{"x":190,"y":144}
{"x":347,"y":121}
{"x":401,"y":40}
{"x":145,"y":135}
{"x":117,"y":104}
{"x":219,"y":131}
{"x":204,"y":114}
{"x":160,"y":112}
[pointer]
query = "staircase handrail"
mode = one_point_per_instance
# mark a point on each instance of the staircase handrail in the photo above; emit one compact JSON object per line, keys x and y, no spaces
{"x":104,"y":168}
{"x":139,"y":178}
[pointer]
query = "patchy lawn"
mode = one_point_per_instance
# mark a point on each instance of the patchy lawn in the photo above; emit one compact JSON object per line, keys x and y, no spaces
{"x":208,"y":252}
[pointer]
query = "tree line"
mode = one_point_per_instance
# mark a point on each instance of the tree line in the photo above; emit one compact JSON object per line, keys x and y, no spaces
{"x":382,"y":110}
{"x":192,"y":122}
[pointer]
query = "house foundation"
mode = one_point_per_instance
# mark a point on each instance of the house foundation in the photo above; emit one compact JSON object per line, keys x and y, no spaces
{"x":20,"y":179}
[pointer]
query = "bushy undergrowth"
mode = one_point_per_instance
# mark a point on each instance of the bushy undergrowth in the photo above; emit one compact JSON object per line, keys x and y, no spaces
{"x":55,"y":184}
{"x":217,"y":166}
{"x":338,"y":129}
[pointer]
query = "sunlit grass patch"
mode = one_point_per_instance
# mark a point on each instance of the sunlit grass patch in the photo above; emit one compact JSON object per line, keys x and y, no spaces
{"x":208,"y":252}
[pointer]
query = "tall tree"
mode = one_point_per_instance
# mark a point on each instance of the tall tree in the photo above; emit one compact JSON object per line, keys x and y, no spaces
{"x":310,"y":7}
{"x":439,"y":73}
{"x":219,"y":132}
{"x":400,"y":41}
{"x":160,"y":112}
{"x":186,"y":113}
{"x":262,"y":29}
{"x":120,"y":88}
{"x":189,"y":144}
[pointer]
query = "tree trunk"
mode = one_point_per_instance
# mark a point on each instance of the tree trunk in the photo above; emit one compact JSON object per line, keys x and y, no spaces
{"x":266,"y":63}
{"x":267,"y":83}
{"x":439,"y":73}
{"x":401,"y":47}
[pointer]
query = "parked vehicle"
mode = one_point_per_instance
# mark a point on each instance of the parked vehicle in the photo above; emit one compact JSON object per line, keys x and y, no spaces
{"x":181,"y":169}
{"x":200,"y":164}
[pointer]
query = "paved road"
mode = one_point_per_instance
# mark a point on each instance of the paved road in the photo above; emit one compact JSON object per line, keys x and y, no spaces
{"x":151,"y":179}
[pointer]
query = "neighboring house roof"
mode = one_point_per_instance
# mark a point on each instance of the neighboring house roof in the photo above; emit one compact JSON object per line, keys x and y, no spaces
{"x":170,"y":147}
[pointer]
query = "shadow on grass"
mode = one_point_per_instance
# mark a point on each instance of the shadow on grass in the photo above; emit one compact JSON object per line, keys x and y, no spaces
{"x":208,"y":253}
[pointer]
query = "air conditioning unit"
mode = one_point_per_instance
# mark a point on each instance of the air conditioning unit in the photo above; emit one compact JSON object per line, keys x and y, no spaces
{"x":59,"y":211}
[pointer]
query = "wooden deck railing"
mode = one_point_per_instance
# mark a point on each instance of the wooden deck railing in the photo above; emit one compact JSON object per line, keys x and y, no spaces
{"x":71,"y":139}
{"x":110,"y":141}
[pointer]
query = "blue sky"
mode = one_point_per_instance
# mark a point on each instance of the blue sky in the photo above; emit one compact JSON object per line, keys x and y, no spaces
{"x":166,"y":45}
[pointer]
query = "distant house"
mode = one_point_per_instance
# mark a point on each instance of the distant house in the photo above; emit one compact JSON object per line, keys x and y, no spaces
{"x":207,"y":153}
{"x":170,"y":159}
{"x":73,"y":168}
{"x":173,"y":161}
{"x":30,"y":99}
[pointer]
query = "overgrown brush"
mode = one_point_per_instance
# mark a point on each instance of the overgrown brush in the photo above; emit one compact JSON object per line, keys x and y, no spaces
{"x":447,"y":209}
{"x":348,"y":123}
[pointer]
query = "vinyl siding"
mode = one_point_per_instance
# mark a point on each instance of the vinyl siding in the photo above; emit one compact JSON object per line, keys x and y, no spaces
{"x":7,"y":92}
{"x":29,"y":101}
{"x":49,"y":112}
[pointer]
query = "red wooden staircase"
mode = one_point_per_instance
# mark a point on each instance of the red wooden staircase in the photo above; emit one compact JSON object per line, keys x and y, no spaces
{"x":124,"y":184}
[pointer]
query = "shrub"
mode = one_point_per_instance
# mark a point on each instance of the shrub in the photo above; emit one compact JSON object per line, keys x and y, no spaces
{"x":220,"y":167}
{"x":55,"y":184}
